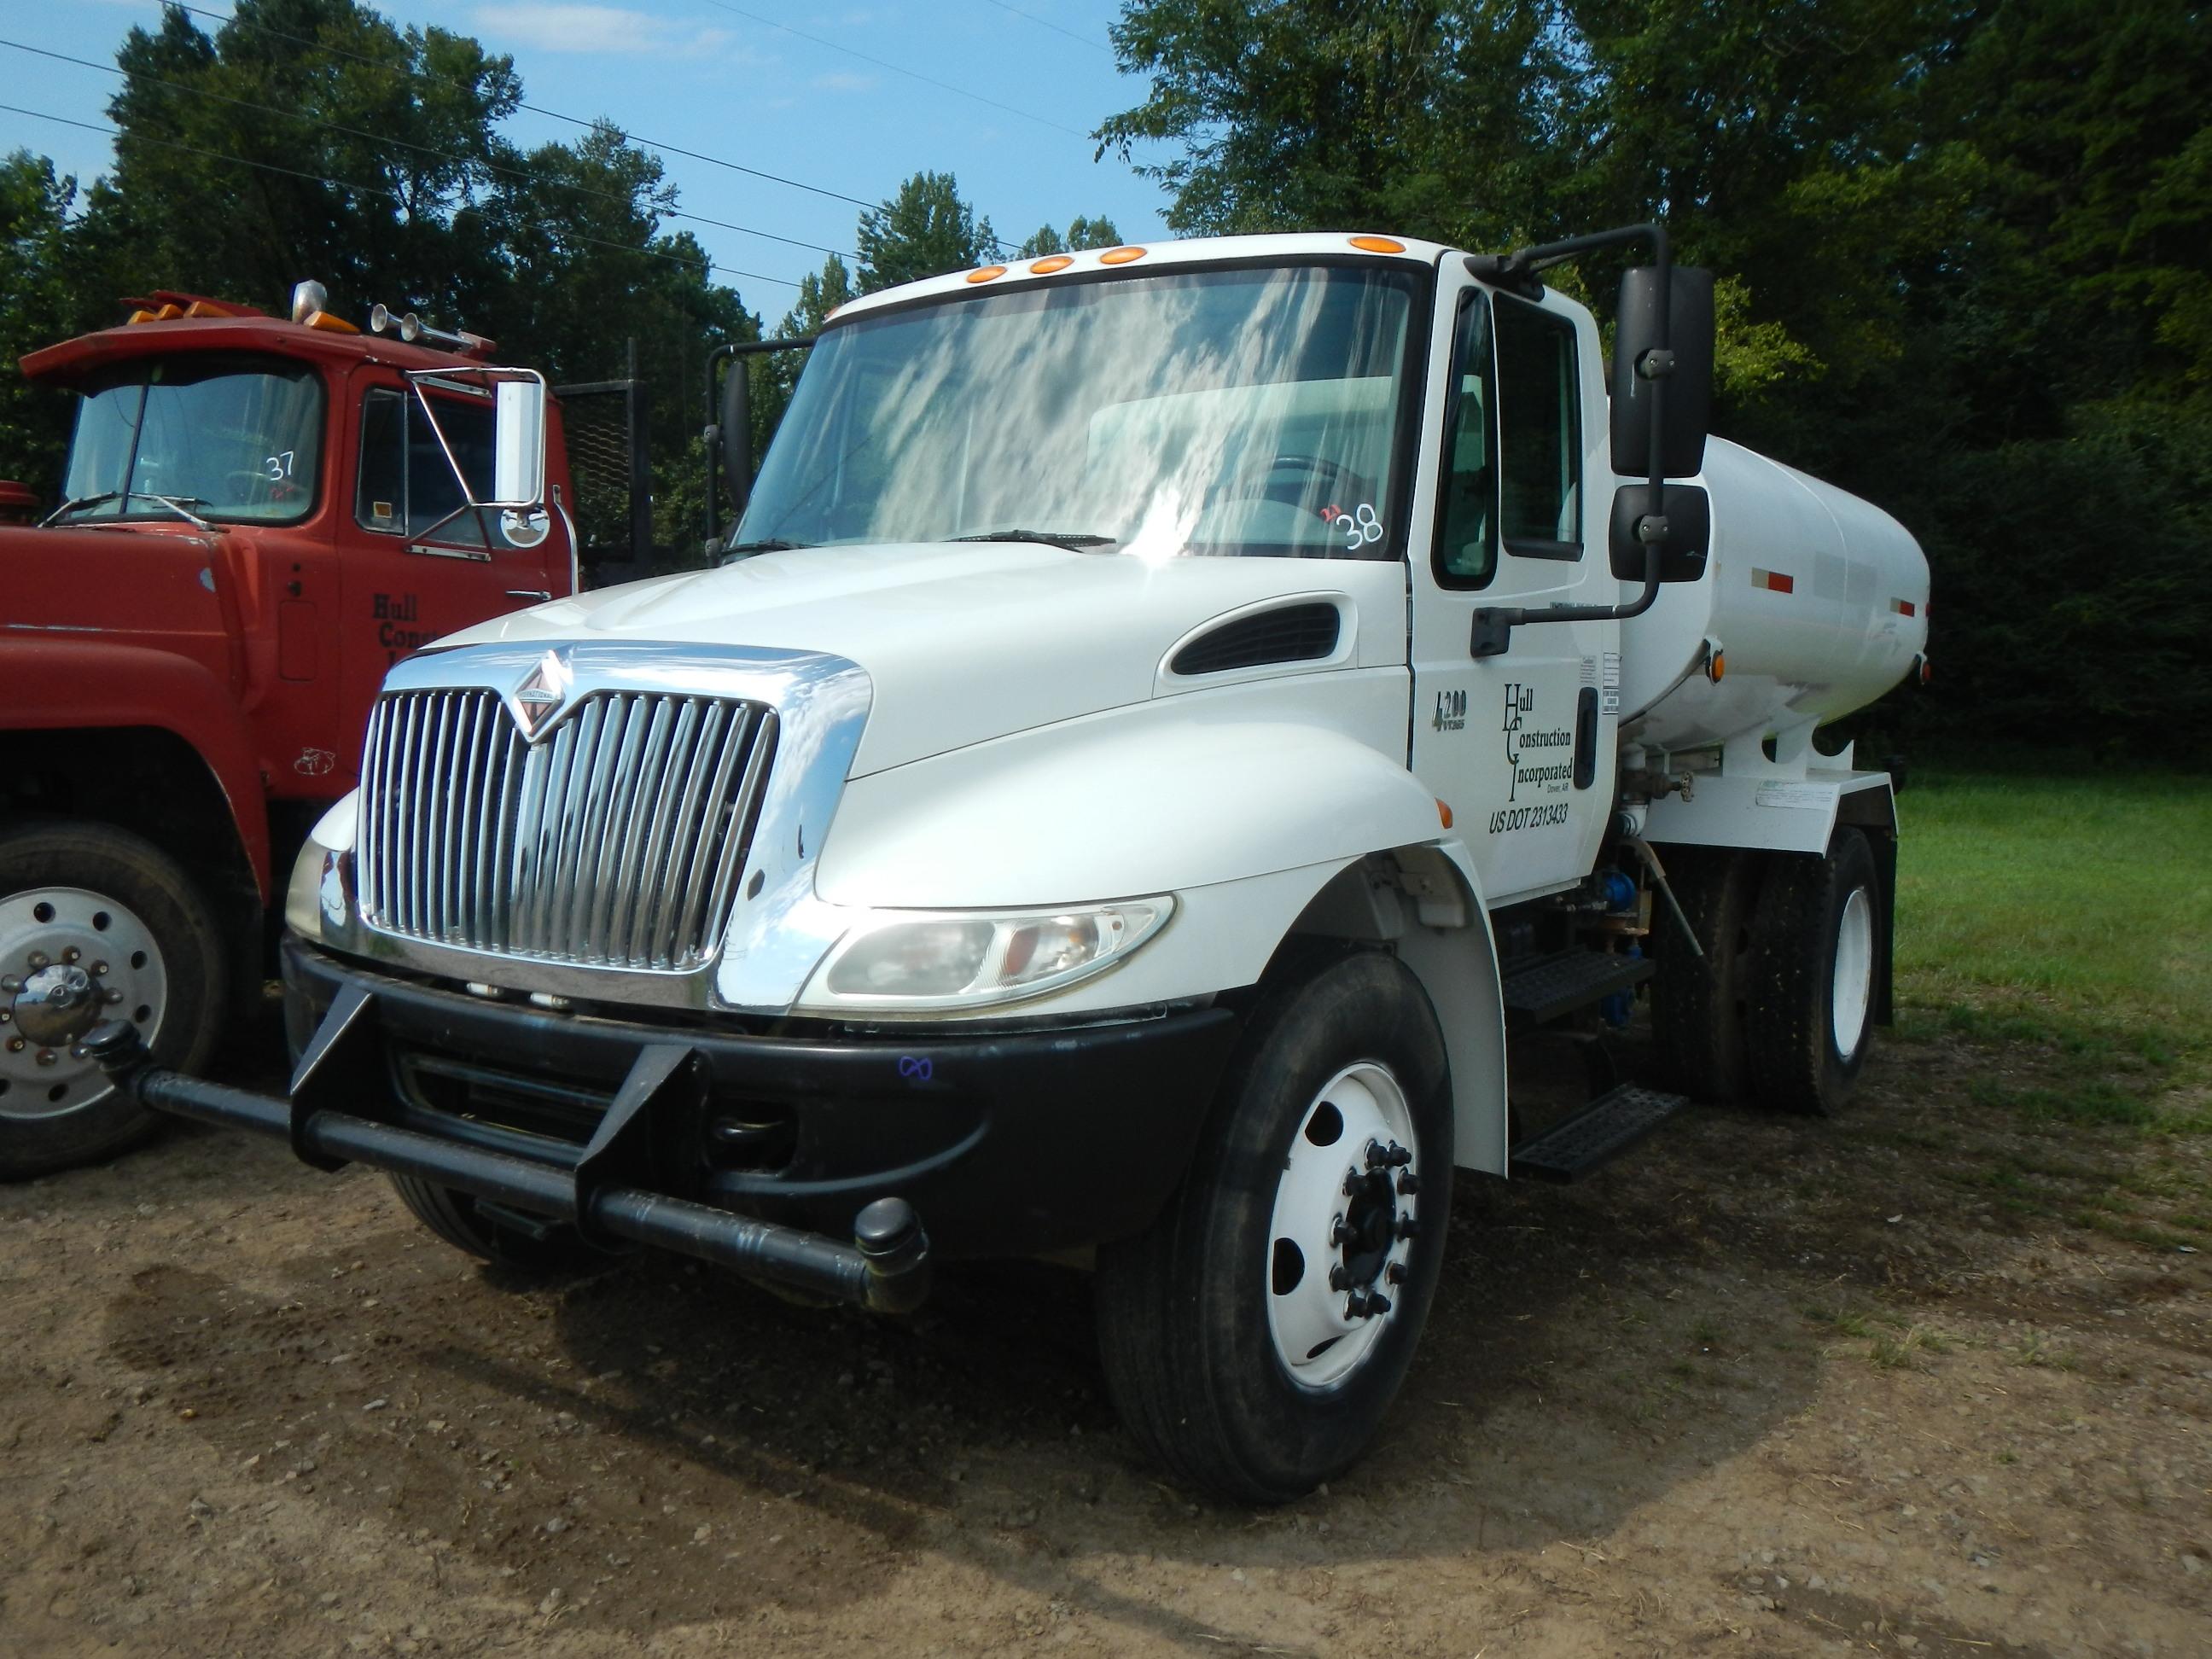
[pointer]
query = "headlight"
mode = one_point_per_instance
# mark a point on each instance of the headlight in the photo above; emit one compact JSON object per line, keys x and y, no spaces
{"x":959,"y":959}
{"x":318,"y":901}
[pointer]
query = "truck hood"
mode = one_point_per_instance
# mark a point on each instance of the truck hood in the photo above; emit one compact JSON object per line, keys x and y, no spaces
{"x":970,"y":642}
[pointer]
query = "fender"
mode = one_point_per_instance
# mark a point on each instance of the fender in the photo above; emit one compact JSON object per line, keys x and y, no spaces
{"x":1255,"y":826}
{"x":57,"y":683}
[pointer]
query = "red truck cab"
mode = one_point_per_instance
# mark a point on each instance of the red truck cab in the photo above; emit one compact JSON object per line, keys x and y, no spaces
{"x":258,"y":517}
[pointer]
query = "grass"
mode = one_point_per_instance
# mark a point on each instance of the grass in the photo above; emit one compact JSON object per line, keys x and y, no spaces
{"x":2064,"y":917}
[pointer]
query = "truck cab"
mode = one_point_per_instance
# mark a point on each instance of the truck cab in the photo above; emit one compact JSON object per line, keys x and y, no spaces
{"x":259,"y":518}
{"x":1168,"y":719}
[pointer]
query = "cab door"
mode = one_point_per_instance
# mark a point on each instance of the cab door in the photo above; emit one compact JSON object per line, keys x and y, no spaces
{"x":1520,"y":744}
{"x":419,"y":563}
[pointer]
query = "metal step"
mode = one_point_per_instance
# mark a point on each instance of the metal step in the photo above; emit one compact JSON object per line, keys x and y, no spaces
{"x":1597,"y":1134}
{"x":1541,"y":990}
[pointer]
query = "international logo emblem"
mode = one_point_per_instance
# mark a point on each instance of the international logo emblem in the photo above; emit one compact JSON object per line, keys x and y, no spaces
{"x":541,"y":695}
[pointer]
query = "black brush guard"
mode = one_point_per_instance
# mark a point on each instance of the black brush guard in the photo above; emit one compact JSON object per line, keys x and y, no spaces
{"x":335,"y":1115}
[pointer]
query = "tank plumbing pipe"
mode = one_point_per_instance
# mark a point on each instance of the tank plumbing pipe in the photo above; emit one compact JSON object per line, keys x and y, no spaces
{"x":1674,"y":905}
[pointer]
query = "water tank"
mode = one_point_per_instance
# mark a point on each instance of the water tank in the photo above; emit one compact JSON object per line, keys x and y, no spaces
{"x":1817,"y":600}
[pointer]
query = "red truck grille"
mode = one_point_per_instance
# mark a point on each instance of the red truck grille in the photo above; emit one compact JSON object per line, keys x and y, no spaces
{"x":617,"y":839}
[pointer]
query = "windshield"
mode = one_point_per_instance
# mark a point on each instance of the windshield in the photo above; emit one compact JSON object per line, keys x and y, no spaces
{"x":229,"y":441}
{"x":1250,"y":410}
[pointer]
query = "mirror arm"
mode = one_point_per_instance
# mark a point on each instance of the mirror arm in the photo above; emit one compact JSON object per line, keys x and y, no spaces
{"x":1493,"y":628}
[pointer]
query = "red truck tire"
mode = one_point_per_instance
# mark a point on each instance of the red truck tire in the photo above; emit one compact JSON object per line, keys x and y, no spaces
{"x":96,"y":923}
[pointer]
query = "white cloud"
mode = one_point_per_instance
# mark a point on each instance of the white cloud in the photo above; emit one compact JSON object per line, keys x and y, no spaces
{"x":597,"y":31}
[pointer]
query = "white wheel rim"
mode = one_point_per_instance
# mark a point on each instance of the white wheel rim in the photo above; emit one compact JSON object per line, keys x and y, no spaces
{"x":1851,"y":986}
{"x":69,"y":958}
{"x":1315,"y":1278}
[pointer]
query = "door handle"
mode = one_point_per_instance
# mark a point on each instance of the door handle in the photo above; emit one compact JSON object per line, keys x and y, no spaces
{"x":529,"y":592}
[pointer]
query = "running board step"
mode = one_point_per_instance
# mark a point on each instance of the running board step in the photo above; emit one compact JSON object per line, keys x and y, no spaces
{"x":1597,"y":1134}
{"x":1541,"y":991}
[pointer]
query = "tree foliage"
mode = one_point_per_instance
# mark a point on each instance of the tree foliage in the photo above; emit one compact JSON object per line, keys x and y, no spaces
{"x":926,"y":230}
{"x":1965,"y":252}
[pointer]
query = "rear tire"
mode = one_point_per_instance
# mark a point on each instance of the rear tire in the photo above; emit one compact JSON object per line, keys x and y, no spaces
{"x":1820,"y":940}
{"x":1697,"y":1002}
{"x":1230,"y":1349}
{"x":96,"y":923}
{"x":455,"y":1218}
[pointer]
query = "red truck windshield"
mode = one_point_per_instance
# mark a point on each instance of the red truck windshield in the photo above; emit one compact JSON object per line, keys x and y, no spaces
{"x":232,"y":440}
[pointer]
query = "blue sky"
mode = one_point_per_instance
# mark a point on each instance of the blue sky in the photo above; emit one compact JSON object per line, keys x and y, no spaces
{"x":709,"y":77}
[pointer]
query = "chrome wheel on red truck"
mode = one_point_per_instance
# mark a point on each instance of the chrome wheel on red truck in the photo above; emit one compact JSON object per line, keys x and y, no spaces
{"x":96,"y":924}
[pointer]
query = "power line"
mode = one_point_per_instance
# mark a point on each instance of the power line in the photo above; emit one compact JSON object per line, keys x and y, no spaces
{"x":896,"y":69}
{"x":1046,"y":23}
{"x":702,"y":263}
{"x":636,"y":139}
{"x":421,"y":150}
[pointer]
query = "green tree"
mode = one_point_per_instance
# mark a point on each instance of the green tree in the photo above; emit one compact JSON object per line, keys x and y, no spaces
{"x":1081,"y":235}
{"x":925,"y":230}
{"x":46,"y":276}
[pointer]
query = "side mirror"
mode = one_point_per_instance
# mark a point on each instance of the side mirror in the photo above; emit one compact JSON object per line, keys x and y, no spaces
{"x":737,"y":436}
{"x":1689,"y":383}
{"x":1689,"y":516}
{"x":519,"y":445}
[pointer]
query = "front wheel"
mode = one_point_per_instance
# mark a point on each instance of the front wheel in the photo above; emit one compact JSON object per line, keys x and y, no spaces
{"x":96,"y":924}
{"x":1255,"y":1334}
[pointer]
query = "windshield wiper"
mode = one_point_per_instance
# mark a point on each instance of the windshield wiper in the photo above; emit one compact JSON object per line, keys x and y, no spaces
{"x":1073,"y":540}
{"x":174,"y":503}
{"x":766,"y":544}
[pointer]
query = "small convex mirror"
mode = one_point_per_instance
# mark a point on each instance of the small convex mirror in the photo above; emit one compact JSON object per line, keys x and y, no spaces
{"x":1689,"y":517}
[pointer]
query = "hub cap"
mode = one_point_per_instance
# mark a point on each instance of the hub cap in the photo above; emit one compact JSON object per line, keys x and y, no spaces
{"x":1851,"y":985}
{"x":68,"y":959}
{"x":1343,"y":1226}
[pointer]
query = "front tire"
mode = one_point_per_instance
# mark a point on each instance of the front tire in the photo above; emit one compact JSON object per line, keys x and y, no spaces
{"x":456,"y":1218}
{"x":96,"y":923}
{"x":1255,"y":1334}
{"x":1820,"y":942}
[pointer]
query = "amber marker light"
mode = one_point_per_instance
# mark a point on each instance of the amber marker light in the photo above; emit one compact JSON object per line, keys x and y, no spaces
{"x":1120,"y":256}
{"x":987,"y":274}
{"x":1717,"y":666}
{"x":1444,"y":813}
{"x":1045,"y":267}
{"x":1377,"y":245}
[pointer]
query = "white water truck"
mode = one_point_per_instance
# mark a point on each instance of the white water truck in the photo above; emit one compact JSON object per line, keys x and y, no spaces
{"x":1166,"y":717}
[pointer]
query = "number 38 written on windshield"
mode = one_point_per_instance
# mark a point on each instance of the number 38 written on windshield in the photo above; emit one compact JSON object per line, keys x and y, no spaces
{"x":1359,"y":527}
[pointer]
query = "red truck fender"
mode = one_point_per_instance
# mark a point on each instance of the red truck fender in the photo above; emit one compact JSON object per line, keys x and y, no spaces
{"x":57,"y":682}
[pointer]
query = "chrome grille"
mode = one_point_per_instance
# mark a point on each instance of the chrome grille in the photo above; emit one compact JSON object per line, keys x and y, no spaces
{"x":615,"y":841}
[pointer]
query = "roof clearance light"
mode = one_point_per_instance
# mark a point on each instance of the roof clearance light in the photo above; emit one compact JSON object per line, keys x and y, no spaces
{"x":1120,"y":256}
{"x":988,"y":273}
{"x":308,"y":298}
{"x":1045,"y":267}
{"x":1377,"y":245}
{"x":330,"y":325}
{"x":168,"y":314}
{"x":140,"y":315}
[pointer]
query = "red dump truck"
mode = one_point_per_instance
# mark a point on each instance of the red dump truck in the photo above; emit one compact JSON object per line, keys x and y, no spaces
{"x":259,"y":516}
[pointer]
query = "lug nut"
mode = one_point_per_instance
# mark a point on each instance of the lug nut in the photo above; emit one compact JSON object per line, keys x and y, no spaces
{"x":1399,"y":1157}
{"x":98,"y":969}
{"x":1352,"y":1179}
{"x":115,"y":996}
{"x":10,"y":982}
{"x":1407,"y":1227}
{"x":1339,"y":1233}
{"x":1409,"y":1183}
{"x":16,"y":1045}
{"x":6,"y":1014}
{"x":1377,"y":1154}
{"x":1395,"y":1273}
{"x":47,"y":1056}
{"x":38,"y":959}
{"x":1339,"y":1277}
{"x":1366,"y":1304}
{"x":71,"y":954}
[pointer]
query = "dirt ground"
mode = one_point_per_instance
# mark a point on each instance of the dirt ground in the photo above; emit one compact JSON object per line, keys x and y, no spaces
{"x":1764,"y":1386}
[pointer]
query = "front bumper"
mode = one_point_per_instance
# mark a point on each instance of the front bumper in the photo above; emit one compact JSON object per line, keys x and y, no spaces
{"x":1013,"y":1143}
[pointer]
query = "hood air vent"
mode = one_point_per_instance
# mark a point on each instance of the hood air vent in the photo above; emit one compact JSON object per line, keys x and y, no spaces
{"x":1296,"y":633}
